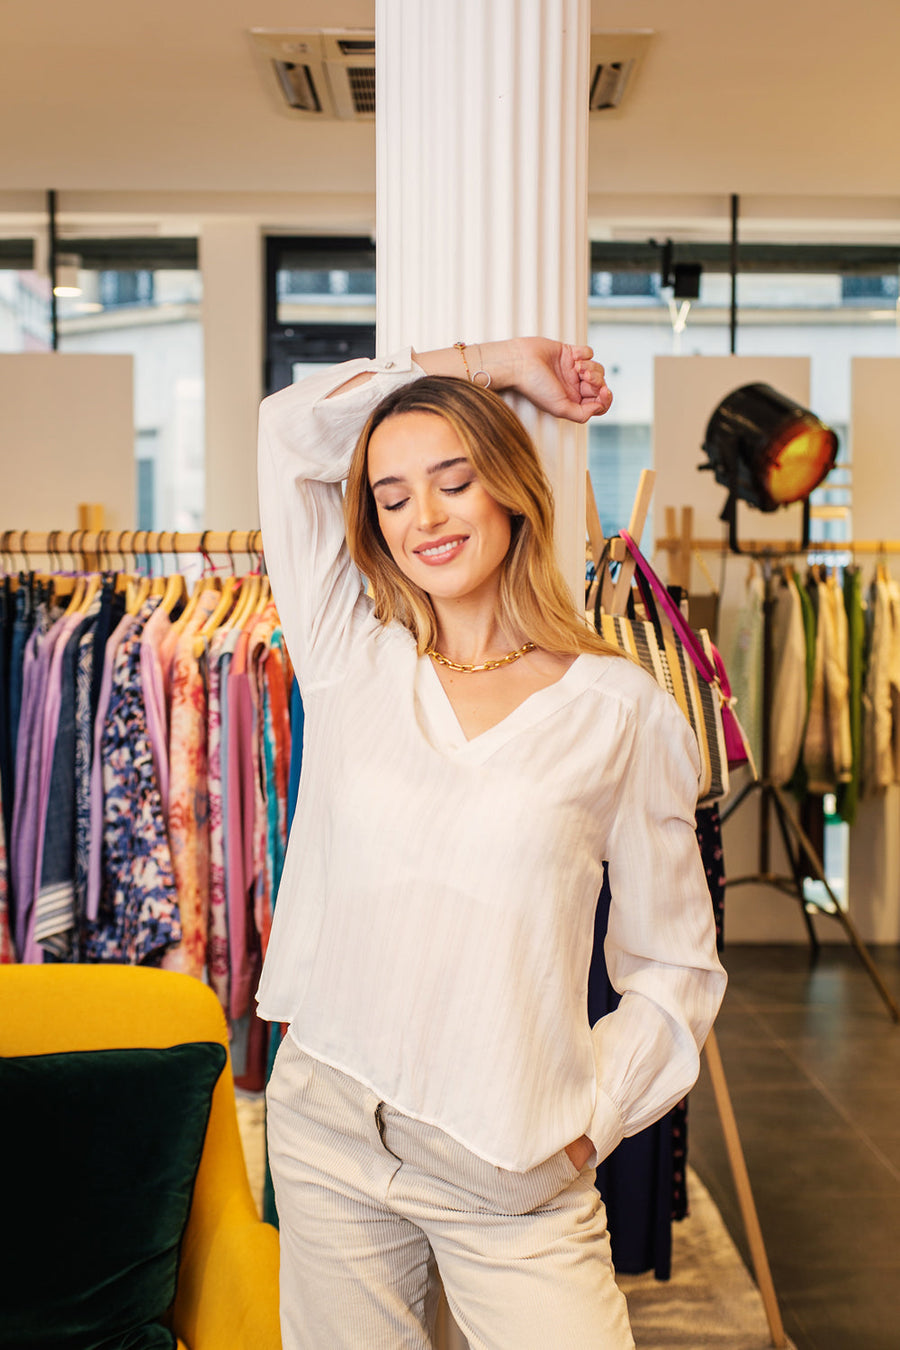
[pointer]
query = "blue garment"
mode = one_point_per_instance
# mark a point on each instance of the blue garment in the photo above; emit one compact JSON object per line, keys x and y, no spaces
{"x":84,"y":751}
{"x":635,"y":1180}
{"x":21,"y":631}
{"x":296,"y":750}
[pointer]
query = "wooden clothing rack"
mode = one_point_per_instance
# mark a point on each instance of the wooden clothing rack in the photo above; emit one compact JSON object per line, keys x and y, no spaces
{"x":614,"y":598}
{"x":99,"y":543}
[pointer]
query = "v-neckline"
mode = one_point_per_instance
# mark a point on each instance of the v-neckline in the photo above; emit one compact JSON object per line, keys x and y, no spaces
{"x":444,"y":726}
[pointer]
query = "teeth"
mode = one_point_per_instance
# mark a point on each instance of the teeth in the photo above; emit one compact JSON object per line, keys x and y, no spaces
{"x":439,"y":549}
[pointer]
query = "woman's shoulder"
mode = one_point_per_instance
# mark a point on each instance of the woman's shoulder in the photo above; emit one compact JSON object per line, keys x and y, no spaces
{"x":621,"y":677}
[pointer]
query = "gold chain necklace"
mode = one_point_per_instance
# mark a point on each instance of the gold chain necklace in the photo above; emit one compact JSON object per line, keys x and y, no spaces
{"x":485,"y":665}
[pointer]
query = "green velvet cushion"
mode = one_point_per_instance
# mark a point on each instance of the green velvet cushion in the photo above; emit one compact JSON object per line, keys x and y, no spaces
{"x":100,"y":1150}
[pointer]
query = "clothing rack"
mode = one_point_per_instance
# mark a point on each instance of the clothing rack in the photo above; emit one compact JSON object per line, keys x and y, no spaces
{"x":774,"y":548}
{"x":106,"y":543}
{"x":614,"y":600}
{"x":797,"y":844}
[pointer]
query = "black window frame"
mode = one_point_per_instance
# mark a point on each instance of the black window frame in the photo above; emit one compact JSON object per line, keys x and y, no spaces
{"x":287,"y":344}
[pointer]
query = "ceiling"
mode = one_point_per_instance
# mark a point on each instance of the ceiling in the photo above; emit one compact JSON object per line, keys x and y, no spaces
{"x":771,"y":100}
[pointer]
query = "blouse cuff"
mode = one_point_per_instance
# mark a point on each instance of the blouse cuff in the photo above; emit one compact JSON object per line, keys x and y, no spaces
{"x":606,"y":1129}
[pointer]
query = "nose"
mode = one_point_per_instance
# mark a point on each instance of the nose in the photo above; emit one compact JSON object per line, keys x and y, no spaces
{"x":431,"y":510}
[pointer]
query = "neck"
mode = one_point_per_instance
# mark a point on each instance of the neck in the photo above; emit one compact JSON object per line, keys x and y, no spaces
{"x":471,"y":632}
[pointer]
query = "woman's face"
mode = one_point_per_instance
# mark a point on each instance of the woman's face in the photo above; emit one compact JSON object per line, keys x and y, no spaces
{"x":444,"y":530}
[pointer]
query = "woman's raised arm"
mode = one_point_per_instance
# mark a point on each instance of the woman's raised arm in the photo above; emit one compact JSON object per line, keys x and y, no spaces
{"x":557,"y":377}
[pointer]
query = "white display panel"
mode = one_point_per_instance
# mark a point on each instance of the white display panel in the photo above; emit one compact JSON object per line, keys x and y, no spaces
{"x":686,"y":392}
{"x":67,"y":435}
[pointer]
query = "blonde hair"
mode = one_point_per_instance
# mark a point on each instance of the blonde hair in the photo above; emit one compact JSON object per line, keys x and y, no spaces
{"x":534,"y":600}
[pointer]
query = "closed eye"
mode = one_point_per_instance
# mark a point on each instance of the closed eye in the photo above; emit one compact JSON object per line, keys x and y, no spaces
{"x":455,"y":491}
{"x":393,"y":506}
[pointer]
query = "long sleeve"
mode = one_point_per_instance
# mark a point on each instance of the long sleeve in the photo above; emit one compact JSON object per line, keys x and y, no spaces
{"x":306,"y":441}
{"x":660,"y":946}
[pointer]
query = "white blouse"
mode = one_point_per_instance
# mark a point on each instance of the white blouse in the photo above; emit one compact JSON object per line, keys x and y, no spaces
{"x":434,"y":926}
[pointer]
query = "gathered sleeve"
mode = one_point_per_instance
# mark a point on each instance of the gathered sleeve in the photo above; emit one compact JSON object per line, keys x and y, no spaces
{"x":660,"y":944}
{"x":306,"y":441}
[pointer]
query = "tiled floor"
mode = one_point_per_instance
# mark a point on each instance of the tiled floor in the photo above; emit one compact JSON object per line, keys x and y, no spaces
{"x":812,"y":1061}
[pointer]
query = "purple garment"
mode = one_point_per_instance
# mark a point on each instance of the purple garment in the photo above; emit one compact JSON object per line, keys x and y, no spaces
{"x":54,"y":906}
{"x":29,"y":770}
{"x":56,"y":641}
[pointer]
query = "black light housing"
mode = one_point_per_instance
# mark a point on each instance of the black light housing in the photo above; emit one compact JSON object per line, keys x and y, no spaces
{"x":768,"y":451}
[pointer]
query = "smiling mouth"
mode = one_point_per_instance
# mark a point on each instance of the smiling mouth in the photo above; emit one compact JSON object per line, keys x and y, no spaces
{"x":442,"y":550}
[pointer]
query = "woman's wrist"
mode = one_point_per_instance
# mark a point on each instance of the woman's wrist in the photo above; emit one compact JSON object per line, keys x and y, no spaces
{"x":475,"y":360}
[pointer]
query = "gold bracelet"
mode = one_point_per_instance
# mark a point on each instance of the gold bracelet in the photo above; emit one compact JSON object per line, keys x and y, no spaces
{"x":461,"y":348}
{"x":473,"y":379}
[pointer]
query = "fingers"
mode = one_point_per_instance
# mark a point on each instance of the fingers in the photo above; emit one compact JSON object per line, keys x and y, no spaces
{"x":593,"y":387}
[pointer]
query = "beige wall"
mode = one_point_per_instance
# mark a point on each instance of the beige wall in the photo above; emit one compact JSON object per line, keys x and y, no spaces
{"x":68,"y":437}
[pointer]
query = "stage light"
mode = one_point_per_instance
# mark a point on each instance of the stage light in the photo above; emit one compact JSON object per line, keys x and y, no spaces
{"x":767,"y":450}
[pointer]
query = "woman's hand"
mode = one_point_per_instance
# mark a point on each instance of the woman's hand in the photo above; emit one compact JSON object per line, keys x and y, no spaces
{"x":561,"y":379}
{"x":579,"y":1151}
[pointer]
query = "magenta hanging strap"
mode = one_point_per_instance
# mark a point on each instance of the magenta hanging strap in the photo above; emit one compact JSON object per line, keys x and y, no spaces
{"x":672,"y":612}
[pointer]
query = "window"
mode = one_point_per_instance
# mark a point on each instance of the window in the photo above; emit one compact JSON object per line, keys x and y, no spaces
{"x":320,"y":304}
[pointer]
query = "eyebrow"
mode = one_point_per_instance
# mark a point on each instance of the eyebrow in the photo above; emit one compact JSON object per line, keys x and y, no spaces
{"x":392,"y":480}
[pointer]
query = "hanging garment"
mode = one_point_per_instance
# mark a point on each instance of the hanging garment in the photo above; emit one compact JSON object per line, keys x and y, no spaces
{"x":55,"y":912}
{"x":158,"y":626}
{"x":7,"y":947}
{"x":787,"y":715}
{"x":798,"y":780}
{"x":837,"y":683}
{"x":878,"y":758}
{"x":188,"y":818}
{"x":894,"y":673}
{"x":217,"y":951}
{"x":137,"y":918}
{"x":84,"y":751}
{"x":816,"y":746}
{"x":29,"y":768}
{"x":744,"y":662}
{"x":848,"y":793}
{"x":242,"y":939}
{"x":107,"y":656}
{"x":7,"y":619}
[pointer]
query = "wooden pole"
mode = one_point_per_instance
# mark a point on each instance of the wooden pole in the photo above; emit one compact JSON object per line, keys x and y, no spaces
{"x":744,"y":1193}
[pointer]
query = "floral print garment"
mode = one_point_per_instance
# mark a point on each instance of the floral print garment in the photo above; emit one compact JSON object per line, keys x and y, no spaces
{"x":189,"y":807}
{"x":217,"y":958}
{"x":138,"y":917}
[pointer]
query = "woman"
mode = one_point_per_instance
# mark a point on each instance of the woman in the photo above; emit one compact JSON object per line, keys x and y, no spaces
{"x":472,"y":754}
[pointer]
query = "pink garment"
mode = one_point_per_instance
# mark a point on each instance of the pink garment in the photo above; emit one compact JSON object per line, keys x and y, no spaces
{"x":243,"y":941}
{"x":188,"y":816}
{"x":159,"y":625}
{"x":217,"y":956}
{"x":209,"y":599}
{"x":260,"y":637}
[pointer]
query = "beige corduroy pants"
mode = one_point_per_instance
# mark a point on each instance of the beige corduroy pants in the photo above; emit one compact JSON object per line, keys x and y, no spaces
{"x":371,"y":1203}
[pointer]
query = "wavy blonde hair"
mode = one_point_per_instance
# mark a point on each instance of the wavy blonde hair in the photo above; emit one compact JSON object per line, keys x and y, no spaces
{"x":534,"y":600}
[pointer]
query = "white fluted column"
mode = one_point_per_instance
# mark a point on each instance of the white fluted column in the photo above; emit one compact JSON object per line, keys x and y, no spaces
{"x":481,"y":130}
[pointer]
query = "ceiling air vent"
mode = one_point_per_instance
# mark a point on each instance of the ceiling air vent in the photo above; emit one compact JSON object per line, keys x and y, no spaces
{"x":325,"y":74}
{"x":615,"y":61}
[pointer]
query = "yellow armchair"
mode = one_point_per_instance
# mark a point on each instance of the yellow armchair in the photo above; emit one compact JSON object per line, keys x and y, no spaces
{"x":227,"y":1297}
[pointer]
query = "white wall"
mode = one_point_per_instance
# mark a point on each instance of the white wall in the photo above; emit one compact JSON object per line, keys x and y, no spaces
{"x":67,"y":425}
{"x":875,"y":432}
